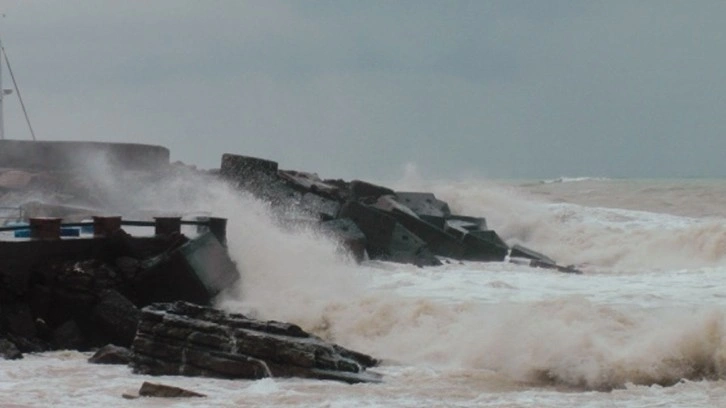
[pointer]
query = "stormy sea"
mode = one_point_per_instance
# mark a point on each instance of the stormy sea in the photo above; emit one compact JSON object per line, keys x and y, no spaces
{"x":643,"y":326}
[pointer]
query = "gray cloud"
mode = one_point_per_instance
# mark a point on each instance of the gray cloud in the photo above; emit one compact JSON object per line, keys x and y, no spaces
{"x":358,"y":89}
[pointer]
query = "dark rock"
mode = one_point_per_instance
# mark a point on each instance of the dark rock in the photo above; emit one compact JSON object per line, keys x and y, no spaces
{"x":426,"y":206}
{"x":117,"y":317}
{"x":128,"y":267}
{"x":196,"y":272}
{"x":69,"y":336}
{"x":322,"y":208}
{"x":165,"y":391}
{"x":438,"y":241}
{"x":535,"y":263}
{"x":17,"y":319}
{"x":279,"y":194}
{"x":112,"y":354}
{"x":9,"y":351}
{"x":345,"y":231}
{"x":459,"y":225}
{"x":387,"y":239}
{"x":186,"y":339}
{"x":309,"y":183}
{"x":247,"y":172}
{"x":406,"y":247}
{"x":361,"y":189}
{"x":484,"y":246}
{"x":40,"y":300}
{"x":524,"y":252}
{"x":14,"y":281}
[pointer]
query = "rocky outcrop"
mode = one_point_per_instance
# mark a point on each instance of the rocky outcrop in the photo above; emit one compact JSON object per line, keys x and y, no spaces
{"x":185,"y":339}
{"x":405,"y":227}
{"x":84,"y":293}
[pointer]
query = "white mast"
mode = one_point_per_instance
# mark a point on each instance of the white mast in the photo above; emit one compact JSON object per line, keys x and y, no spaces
{"x":2,"y":95}
{"x":3,"y":91}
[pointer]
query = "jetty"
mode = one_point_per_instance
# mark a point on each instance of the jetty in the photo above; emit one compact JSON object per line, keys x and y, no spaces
{"x":73,"y":277}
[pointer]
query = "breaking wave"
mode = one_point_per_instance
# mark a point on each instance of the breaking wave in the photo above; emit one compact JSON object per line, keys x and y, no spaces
{"x":569,"y":340}
{"x":573,"y":179}
{"x":603,"y":239}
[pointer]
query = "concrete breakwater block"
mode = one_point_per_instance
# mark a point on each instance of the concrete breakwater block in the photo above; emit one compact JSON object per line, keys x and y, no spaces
{"x":247,"y":171}
{"x":200,"y":269}
{"x":387,"y":238}
{"x":345,"y":231}
{"x":426,"y":206}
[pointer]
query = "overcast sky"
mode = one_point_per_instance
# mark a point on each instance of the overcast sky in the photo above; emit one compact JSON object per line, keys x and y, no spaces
{"x":358,"y":89}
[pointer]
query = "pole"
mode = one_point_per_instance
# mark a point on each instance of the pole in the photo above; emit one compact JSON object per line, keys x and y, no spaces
{"x":2,"y":96}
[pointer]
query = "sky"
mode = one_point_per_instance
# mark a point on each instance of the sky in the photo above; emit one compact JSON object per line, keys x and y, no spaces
{"x":365,"y":89}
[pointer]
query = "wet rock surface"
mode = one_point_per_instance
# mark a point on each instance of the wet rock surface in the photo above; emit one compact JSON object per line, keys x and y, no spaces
{"x":112,"y":354}
{"x":406,"y":227}
{"x":186,"y":339}
{"x":82,"y":294}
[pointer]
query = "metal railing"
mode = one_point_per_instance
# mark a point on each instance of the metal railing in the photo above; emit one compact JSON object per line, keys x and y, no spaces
{"x":50,"y":228}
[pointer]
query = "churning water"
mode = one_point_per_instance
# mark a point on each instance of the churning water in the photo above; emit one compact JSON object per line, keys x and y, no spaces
{"x":645,"y":325}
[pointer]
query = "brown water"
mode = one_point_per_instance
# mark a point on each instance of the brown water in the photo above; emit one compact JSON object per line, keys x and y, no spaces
{"x":648,"y":312}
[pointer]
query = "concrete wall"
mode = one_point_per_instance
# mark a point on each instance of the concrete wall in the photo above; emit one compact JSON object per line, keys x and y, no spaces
{"x":66,"y":155}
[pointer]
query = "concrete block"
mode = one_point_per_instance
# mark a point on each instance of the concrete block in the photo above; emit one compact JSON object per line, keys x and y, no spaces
{"x":345,"y":231}
{"x":426,"y":206}
{"x":196,"y":272}
{"x":524,"y":252}
{"x":360,"y":189}
{"x":485,"y":246}
{"x":458,"y":225}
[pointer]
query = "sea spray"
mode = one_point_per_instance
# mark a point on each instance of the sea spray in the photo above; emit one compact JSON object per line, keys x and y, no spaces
{"x":299,"y":277}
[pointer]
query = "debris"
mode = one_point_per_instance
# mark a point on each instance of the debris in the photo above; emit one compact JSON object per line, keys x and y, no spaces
{"x":112,"y":354}
{"x":165,"y":391}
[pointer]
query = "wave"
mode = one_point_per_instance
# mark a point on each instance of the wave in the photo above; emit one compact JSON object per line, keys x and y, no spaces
{"x":573,"y":180}
{"x":599,"y":238}
{"x":566,"y":341}
{"x":570,"y":340}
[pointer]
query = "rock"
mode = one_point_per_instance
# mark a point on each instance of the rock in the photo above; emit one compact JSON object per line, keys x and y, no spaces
{"x":17,"y":319}
{"x":459,"y":225}
{"x":322,"y":208}
{"x":484,"y":246}
{"x":165,"y":391}
{"x":386,"y":238}
{"x":524,"y":252}
{"x":308,"y":183}
{"x":345,"y":231}
{"x":199,"y":270}
{"x":185,"y":339}
{"x":112,"y":354}
{"x":117,"y":317}
{"x":361,"y":189}
{"x":247,"y":172}
{"x":535,"y":263}
{"x":9,"y":351}
{"x":438,"y":241}
{"x":69,"y":336}
{"x":426,"y":206}
{"x":128,"y":267}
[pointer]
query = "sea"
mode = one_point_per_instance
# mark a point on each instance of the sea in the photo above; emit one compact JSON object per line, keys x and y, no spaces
{"x":644,"y":325}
